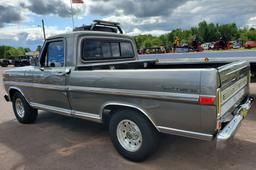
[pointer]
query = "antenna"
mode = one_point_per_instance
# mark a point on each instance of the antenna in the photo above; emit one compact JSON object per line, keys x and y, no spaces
{"x":43,"y":29}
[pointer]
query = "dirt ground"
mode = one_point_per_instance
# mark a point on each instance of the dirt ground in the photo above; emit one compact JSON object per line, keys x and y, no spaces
{"x":59,"y":142}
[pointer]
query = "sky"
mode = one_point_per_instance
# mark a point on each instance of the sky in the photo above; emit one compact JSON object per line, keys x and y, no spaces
{"x":20,"y":20}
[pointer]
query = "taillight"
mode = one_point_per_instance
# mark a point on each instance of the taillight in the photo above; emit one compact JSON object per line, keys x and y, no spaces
{"x":206,"y":100}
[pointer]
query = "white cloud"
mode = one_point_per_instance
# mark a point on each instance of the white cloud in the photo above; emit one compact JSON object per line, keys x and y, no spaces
{"x":166,"y":15}
{"x":27,"y":36}
{"x":29,"y":33}
{"x":130,"y":22}
{"x":252,"y":22}
{"x":137,"y":31}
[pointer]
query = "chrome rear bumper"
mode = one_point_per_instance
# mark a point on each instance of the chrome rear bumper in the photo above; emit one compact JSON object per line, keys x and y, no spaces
{"x":230,"y":129}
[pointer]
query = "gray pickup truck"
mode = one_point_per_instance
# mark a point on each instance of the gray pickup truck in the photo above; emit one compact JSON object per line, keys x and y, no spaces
{"x":95,"y":75}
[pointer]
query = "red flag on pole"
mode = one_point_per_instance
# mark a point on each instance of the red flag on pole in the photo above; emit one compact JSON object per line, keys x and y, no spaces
{"x":74,"y":2}
{"x":77,"y":1}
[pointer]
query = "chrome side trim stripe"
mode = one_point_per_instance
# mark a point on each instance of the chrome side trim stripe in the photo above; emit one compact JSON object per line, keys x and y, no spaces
{"x":179,"y":97}
{"x":13,"y":83}
{"x":67,"y":112}
{"x":190,"y":134}
{"x":49,"y":86}
{"x":87,"y":116}
{"x":191,"y":98}
{"x":36,"y":85}
{"x":51,"y":108}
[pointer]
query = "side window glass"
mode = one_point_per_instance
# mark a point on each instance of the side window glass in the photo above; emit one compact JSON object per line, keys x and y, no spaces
{"x":91,"y":49}
{"x":115,"y":49}
{"x":55,"y":54}
{"x":126,"y":49}
{"x":106,"y":50}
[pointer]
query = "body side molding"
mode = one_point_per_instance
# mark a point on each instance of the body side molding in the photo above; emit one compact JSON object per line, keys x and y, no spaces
{"x":170,"y":96}
{"x":129,"y":106}
{"x":185,"y":133}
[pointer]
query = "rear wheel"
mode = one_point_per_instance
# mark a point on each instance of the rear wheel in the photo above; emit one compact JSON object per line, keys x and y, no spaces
{"x":22,"y":110}
{"x":133,"y":136}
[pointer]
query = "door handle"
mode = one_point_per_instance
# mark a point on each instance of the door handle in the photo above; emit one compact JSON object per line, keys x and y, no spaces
{"x":67,"y":71}
{"x":60,"y":74}
{"x":41,"y":68}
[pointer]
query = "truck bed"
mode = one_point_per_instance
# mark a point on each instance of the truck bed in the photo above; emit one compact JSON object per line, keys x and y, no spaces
{"x":224,"y":69}
{"x":148,"y":64}
{"x":198,"y":59}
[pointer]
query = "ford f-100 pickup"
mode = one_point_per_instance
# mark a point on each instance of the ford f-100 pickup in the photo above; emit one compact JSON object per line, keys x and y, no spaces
{"x":95,"y":75}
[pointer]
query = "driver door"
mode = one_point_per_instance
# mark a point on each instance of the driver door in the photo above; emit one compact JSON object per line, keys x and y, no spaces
{"x":49,"y":79}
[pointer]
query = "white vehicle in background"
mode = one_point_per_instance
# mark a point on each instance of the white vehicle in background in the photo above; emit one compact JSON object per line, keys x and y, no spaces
{"x":207,"y":45}
{"x":237,"y":45}
{"x":211,"y":45}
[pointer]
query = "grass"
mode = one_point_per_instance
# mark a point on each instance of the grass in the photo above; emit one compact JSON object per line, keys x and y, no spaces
{"x":240,"y":49}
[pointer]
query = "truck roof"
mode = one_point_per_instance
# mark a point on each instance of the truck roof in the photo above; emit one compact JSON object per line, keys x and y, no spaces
{"x":92,"y":33}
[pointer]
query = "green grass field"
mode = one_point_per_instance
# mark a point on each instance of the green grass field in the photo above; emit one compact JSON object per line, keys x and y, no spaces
{"x":240,"y":49}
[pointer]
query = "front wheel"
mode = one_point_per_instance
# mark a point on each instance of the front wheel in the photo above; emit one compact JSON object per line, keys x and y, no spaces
{"x":22,"y":110}
{"x":133,"y":135}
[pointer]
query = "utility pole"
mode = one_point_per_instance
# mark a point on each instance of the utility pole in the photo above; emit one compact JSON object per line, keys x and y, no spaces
{"x":43,"y":29}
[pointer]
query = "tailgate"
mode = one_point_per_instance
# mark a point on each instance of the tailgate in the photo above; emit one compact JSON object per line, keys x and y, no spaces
{"x":234,"y":86}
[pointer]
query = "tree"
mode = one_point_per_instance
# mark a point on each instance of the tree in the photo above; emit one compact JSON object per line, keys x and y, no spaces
{"x":229,"y":32}
{"x":2,"y":51}
{"x":156,"y":42}
{"x":14,"y":52}
{"x":27,"y":50}
{"x":39,"y":48}
{"x":251,"y":34}
{"x":164,"y":40}
{"x":147,"y":43}
{"x":8,"y":51}
{"x":206,"y":32}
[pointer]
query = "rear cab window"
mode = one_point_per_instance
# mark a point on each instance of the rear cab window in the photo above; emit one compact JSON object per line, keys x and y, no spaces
{"x":106,"y":49}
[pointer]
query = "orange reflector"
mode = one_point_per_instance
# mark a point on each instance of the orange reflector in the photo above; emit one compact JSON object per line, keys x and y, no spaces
{"x":206,"y":100}
{"x":218,"y":126}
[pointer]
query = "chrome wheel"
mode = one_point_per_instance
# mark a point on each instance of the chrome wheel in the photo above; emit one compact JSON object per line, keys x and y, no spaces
{"x":19,"y":108}
{"x":129,"y":135}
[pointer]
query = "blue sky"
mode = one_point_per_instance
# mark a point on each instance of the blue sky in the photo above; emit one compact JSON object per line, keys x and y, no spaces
{"x":19,"y":19}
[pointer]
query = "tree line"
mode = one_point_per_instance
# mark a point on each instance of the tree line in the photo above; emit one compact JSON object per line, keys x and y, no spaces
{"x":203,"y":32}
{"x":9,"y":52}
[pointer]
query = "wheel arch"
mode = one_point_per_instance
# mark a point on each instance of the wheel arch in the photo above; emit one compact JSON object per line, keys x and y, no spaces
{"x":12,"y":90}
{"x":113,"y":107}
